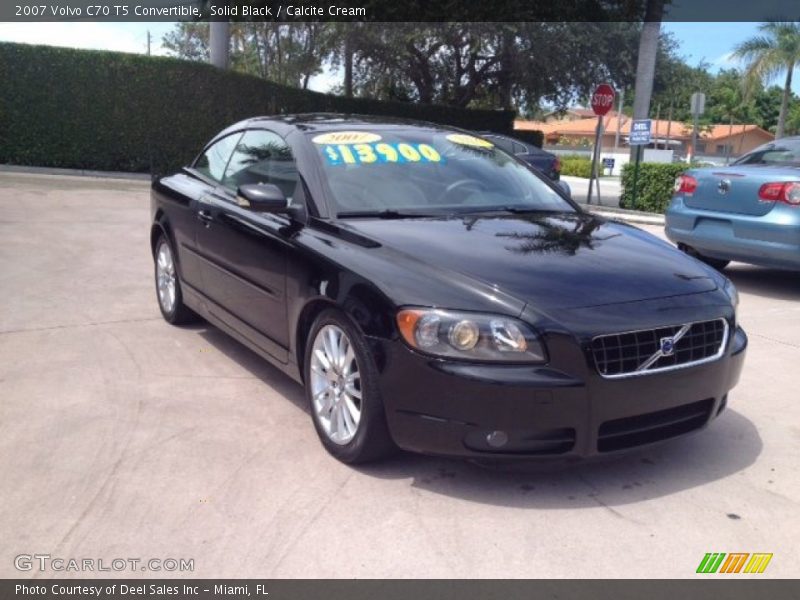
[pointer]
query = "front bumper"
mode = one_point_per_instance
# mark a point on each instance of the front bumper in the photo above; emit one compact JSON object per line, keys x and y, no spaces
{"x":456,"y":409}
{"x":771,"y":240}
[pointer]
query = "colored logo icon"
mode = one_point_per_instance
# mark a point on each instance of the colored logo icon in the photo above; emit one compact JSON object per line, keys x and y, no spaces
{"x":734,"y":562}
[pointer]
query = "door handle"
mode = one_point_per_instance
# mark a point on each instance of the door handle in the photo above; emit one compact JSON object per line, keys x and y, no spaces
{"x":205,"y":216}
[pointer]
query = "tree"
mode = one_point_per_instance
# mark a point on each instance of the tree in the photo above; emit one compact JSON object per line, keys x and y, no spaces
{"x":675,"y":81}
{"x":767,"y":107}
{"x":520,"y":65}
{"x":488,"y":65}
{"x":793,"y":120}
{"x":287,"y":53}
{"x":189,"y":40}
{"x":727,"y":103}
{"x":777,"y":49}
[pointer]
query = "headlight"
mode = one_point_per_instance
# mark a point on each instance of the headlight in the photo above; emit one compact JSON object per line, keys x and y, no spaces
{"x":732,"y":293}
{"x":470,"y":336}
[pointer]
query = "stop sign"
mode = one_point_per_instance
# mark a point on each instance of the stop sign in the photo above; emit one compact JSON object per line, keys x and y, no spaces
{"x":602,"y":99}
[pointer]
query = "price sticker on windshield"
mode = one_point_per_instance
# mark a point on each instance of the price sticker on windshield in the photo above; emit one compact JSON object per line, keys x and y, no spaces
{"x":346,"y":137}
{"x":463,"y":139}
{"x":379,"y":153}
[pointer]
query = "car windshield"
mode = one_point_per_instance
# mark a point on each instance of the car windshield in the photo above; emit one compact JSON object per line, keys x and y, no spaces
{"x":420,"y":172}
{"x":780,"y":153}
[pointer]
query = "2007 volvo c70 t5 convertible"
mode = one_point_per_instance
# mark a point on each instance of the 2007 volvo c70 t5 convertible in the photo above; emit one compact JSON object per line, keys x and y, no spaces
{"x":434,"y":293}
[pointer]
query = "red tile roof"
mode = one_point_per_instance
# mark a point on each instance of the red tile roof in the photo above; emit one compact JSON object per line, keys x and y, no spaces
{"x":586,"y":127}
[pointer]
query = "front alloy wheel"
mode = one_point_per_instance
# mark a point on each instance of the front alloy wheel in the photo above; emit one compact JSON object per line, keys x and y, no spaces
{"x":165,"y":277}
{"x":342,"y":389}
{"x":168,"y":286}
{"x":335,"y":384}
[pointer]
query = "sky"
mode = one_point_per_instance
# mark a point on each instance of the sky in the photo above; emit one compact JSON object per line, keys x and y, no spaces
{"x":699,"y":42}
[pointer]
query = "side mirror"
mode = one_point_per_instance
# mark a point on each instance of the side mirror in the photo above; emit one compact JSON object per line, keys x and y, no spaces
{"x":262,"y":197}
{"x":564,"y":187}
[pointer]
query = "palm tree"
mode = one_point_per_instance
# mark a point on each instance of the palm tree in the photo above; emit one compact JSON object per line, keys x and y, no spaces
{"x":777,"y":49}
{"x":732,"y":106}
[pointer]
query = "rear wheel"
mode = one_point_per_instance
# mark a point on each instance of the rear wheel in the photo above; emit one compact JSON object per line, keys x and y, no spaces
{"x":342,"y":391}
{"x":717,"y":263}
{"x":168,"y":286}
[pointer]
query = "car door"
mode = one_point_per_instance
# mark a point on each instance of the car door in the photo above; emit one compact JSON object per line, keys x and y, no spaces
{"x":192,"y":186}
{"x":245,"y":252}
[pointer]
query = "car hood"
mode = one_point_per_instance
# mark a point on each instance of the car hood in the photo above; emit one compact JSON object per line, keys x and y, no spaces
{"x":550,"y":260}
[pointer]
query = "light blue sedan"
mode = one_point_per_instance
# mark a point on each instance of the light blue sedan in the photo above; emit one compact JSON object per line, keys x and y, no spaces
{"x":748,"y":212}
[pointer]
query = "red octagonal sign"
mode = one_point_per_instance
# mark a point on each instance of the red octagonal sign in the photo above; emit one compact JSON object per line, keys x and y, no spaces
{"x":602,"y":99}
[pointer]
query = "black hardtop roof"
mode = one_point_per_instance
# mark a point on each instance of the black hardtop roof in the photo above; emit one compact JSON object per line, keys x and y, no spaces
{"x":319,"y":122}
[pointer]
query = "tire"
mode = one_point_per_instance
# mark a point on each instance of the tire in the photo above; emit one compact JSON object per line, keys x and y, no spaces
{"x":168,"y":285}
{"x":716,"y":263}
{"x":350,"y":428}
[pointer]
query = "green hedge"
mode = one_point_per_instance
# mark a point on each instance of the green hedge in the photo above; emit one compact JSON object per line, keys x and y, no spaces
{"x":577,"y":166}
{"x":653,"y":187}
{"x":102,"y":110}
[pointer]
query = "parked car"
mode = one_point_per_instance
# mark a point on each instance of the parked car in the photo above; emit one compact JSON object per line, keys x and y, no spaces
{"x":547,"y":162}
{"x":434,"y":293}
{"x":748,"y":212}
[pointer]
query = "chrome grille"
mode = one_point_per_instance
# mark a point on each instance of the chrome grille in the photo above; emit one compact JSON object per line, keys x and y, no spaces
{"x":665,"y":348}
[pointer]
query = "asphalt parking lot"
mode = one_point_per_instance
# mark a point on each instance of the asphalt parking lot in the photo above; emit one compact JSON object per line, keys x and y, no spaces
{"x":121,"y":436}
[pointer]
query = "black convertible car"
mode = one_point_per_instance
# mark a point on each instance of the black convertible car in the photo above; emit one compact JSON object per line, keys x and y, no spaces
{"x":435,"y":293}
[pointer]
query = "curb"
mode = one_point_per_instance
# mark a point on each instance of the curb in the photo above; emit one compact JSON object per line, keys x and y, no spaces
{"x":624,"y":214}
{"x":636,"y":219}
{"x":75,"y":172}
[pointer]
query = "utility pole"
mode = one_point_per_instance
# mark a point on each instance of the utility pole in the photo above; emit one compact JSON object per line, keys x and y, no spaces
{"x":148,"y":42}
{"x":646,"y":62}
{"x":698,"y":107}
{"x":219,"y":43}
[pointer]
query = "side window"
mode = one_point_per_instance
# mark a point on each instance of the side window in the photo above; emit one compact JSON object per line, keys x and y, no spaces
{"x":502,"y":143}
{"x":262,"y":157}
{"x":520,"y":149}
{"x":756,"y":156}
{"x":213,"y":161}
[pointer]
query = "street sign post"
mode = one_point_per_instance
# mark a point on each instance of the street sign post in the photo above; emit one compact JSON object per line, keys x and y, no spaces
{"x":641,"y":135}
{"x":698,"y":106}
{"x":601,"y":102}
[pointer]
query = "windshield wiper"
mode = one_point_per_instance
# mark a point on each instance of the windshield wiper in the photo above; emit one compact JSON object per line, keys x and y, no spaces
{"x":516,"y":210}
{"x":382,"y":214}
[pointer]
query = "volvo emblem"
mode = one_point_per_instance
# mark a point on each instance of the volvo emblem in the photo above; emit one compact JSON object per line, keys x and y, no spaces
{"x":724,"y":186}
{"x":667,"y":346}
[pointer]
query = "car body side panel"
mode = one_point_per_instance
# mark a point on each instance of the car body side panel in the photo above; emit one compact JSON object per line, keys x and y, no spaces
{"x":243,"y":261}
{"x":174,"y":207}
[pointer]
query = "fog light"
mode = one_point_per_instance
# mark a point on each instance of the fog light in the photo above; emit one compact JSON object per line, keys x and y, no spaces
{"x":497,"y":439}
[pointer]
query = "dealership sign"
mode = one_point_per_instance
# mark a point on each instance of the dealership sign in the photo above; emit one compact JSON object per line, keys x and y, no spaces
{"x":641,"y":132}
